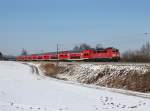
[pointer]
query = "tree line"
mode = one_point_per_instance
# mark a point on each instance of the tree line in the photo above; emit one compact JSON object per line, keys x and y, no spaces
{"x":139,"y":55}
{"x":85,"y":46}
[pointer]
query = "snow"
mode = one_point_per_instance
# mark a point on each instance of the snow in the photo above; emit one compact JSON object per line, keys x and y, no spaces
{"x":22,"y":90}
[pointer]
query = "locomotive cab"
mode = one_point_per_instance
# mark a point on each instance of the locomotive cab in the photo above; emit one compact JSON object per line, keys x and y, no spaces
{"x":114,"y":54}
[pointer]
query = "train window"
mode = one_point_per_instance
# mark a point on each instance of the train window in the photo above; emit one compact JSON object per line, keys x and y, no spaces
{"x":39,"y":57}
{"x":103,"y":51}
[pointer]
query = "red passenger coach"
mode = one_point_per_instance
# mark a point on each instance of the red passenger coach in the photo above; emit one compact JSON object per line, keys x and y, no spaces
{"x":63,"y":55}
{"x":39,"y":57}
{"x":20,"y":58}
{"x":28,"y":57}
{"x":75,"y":55}
{"x":34,"y":57}
{"x":25,"y":58}
{"x":54,"y":56}
{"x":46,"y":56}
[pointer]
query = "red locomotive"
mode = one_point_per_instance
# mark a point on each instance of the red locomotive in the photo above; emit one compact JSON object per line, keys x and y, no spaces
{"x":107,"y":54}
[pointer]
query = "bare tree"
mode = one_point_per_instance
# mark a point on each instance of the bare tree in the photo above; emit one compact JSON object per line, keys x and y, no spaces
{"x":127,"y":55}
{"x":76,"y":48}
{"x":99,"y":46}
{"x":84,"y":46}
{"x":145,"y":49}
{"x":1,"y":56}
{"x":24,"y":52}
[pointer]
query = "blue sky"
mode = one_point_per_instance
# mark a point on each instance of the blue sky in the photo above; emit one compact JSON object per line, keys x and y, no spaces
{"x":38,"y":25}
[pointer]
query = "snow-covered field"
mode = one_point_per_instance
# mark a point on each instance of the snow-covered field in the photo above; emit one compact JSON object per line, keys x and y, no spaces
{"x":22,"y":90}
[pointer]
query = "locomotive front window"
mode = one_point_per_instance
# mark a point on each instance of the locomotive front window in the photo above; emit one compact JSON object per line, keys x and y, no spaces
{"x":86,"y":54}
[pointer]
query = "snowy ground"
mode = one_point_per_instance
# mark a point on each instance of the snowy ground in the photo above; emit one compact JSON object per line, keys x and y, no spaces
{"x":23,"y":90}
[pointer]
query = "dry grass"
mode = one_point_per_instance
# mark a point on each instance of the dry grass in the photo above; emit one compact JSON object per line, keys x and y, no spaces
{"x":51,"y":69}
{"x":131,"y":81}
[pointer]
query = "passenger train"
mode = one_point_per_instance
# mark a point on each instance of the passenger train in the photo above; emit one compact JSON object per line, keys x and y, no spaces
{"x":102,"y":54}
